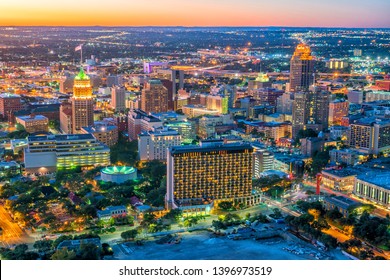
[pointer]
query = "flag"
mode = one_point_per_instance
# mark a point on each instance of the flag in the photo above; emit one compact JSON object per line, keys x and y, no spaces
{"x":78,"y":48}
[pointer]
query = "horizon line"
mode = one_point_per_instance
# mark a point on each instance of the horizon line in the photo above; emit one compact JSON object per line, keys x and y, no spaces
{"x":197,"y":26}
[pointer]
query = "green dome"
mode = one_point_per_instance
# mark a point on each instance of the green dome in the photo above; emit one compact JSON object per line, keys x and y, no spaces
{"x":118,"y":170}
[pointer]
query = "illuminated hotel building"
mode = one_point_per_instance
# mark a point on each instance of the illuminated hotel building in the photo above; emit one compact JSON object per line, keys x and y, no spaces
{"x":82,"y":102}
{"x":209,"y":172}
{"x":301,"y":68}
{"x":370,"y":135}
{"x":49,"y":153}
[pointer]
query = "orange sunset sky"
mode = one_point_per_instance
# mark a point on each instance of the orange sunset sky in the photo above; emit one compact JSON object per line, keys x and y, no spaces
{"x":345,"y":13}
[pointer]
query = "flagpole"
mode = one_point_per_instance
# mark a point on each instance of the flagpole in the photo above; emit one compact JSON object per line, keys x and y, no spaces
{"x":81,"y":55}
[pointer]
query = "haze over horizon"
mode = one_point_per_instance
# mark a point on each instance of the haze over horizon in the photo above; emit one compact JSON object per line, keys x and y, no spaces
{"x":202,"y":13}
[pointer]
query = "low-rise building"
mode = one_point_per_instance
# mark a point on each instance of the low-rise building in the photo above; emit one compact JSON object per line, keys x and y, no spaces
{"x":34,"y":123}
{"x":343,"y":204}
{"x":347,"y":156}
{"x":340,"y":180}
{"x":75,"y":245}
{"x":374,"y":186}
{"x":112,"y":212}
{"x":50,"y":153}
{"x":103,"y":132}
{"x":311,"y":145}
{"x":10,"y":168}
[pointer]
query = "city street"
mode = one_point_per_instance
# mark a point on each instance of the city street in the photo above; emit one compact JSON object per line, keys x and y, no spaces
{"x":12,"y":233}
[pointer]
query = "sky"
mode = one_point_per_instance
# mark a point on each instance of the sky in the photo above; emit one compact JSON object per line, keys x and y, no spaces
{"x":327,"y":13}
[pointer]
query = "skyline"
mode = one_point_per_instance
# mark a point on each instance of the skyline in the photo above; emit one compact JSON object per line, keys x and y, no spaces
{"x":248,"y":13}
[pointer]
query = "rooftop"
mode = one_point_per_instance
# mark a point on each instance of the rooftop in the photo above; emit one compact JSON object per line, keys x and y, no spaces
{"x":61,"y":137}
{"x":81,"y":75}
{"x":218,"y":147}
{"x":33,"y":117}
{"x":346,"y":172}
{"x":9,"y":95}
{"x":99,"y":128}
{"x":341,"y":201}
{"x":379,"y":179}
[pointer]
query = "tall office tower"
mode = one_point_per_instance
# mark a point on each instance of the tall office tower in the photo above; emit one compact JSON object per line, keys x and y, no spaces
{"x":154,"y":97}
{"x":66,"y":83}
{"x":66,"y":118}
{"x":310,"y":110}
{"x":267,"y":95}
{"x":118,"y":98}
{"x":284,"y":103}
{"x":82,"y":102}
{"x":337,"y":110}
{"x":112,"y":81}
{"x":263,"y":160}
{"x":173,"y":80}
{"x":300,"y":112}
{"x":301,"y":68}
{"x":209,"y":172}
{"x":9,"y":103}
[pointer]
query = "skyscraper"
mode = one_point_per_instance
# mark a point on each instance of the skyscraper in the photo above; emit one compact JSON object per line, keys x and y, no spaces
{"x":301,"y":68}
{"x":118,"y":98}
{"x":310,"y":110}
{"x":82,"y":102}
{"x":154,"y":97}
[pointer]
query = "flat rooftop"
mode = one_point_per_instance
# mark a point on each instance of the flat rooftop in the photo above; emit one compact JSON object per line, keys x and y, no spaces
{"x":62,"y":137}
{"x":341,"y":201}
{"x":33,"y":118}
{"x":99,"y":128}
{"x":210,"y":148}
{"x":377,"y":178}
{"x":341,"y":172}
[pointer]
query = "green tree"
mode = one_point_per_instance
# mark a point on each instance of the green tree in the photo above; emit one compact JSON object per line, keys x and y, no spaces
{"x":218,"y":225}
{"x":225,"y":205}
{"x":89,"y":252}
{"x":129,"y":234}
{"x":63,"y":254}
{"x":43,"y":246}
{"x":329,"y":241}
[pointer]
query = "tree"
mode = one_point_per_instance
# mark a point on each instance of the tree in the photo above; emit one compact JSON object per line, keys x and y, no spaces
{"x":225,"y":205}
{"x":329,"y":241}
{"x":43,"y":246}
{"x":334,"y":214}
{"x":174,"y":214}
{"x":63,"y":254}
{"x":218,"y":225}
{"x":89,"y":252}
{"x":277,"y":213}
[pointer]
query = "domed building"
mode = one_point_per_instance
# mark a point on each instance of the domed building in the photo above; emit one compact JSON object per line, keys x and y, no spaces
{"x":118,"y":174}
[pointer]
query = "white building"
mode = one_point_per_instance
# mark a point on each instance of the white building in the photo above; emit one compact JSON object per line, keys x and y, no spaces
{"x":154,"y":144}
{"x":49,"y":153}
